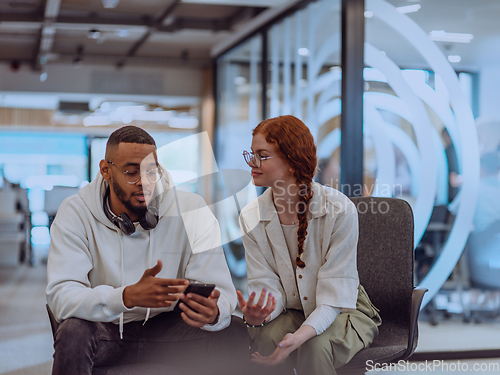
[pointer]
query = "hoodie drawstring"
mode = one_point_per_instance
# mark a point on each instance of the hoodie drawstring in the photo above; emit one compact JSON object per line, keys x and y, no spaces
{"x":148,"y":312}
{"x":122,"y":280}
{"x":121,"y":326}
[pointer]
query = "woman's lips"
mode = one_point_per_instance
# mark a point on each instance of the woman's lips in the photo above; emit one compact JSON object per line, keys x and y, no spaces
{"x":255,"y":174}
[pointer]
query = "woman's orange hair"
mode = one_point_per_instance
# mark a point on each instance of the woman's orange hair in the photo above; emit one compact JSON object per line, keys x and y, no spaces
{"x":294,"y":143}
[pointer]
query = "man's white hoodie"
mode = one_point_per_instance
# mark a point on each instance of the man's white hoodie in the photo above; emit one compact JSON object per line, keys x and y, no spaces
{"x":91,"y":261}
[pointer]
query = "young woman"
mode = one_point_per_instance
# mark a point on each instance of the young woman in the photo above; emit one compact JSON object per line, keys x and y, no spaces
{"x":300,"y":240}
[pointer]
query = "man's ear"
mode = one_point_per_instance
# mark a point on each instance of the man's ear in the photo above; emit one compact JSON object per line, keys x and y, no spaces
{"x":104,"y":168}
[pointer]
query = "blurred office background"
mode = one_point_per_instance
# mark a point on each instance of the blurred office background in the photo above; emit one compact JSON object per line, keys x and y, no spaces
{"x":199,"y":75}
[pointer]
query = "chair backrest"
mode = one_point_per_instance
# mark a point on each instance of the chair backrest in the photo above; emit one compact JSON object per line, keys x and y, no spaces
{"x":386,"y":257}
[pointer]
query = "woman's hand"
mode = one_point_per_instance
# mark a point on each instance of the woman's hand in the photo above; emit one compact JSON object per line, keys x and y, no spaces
{"x":290,"y":342}
{"x":256,"y":314}
{"x":285,"y":347}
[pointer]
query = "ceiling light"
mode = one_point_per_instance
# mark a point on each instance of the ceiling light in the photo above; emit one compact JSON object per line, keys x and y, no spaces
{"x":240,"y":80}
{"x":183,"y":122}
{"x":157,"y":115}
{"x":303,"y":51}
{"x":96,"y":121}
{"x":94,"y":34}
{"x":110,"y":3}
{"x":130,"y":109}
{"x":43,"y":77}
{"x":442,"y":36}
{"x":368,"y":14}
{"x":454,"y":58}
{"x":122,"y":33}
{"x":409,"y":8}
{"x":169,"y":21}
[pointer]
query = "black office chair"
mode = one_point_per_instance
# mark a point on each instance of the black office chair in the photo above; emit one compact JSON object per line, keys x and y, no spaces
{"x":482,"y":258}
{"x":385,"y":266}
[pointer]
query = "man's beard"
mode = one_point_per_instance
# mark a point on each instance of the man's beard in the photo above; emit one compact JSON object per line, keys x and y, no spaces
{"x":120,"y":193}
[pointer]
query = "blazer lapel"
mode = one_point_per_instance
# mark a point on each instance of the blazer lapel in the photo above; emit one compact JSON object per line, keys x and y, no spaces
{"x":282,"y":256}
{"x":269,"y":218}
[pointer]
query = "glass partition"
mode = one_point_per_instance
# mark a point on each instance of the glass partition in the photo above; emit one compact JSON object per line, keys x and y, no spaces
{"x":421,"y":144}
{"x":430,"y":128}
{"x":239,"y":94}
{"x":304,"y":77}
{"x":240,"y":104}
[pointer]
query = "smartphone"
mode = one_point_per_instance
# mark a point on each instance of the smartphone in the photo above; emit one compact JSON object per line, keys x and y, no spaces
{"x":201,"y":289}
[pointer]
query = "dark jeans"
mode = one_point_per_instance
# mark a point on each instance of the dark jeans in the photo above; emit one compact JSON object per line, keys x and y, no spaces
{"x":81,"y":345}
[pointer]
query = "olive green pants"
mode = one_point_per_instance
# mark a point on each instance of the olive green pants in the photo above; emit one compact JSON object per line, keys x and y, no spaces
{"x":349,"y":333}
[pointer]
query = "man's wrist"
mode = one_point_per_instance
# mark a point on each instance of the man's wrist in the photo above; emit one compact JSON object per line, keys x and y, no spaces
{"x":216,"y":320}
{"x":127,"y":302}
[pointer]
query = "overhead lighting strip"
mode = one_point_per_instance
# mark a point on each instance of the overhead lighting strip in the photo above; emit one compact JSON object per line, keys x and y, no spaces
{"x":442,"y":36}
{"x":409,"y":8}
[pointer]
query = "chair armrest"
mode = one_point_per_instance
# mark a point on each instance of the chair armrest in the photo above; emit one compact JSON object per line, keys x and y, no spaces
{"x":416,"y":301}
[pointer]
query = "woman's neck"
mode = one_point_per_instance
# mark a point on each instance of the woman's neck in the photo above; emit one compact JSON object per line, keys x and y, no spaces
{"x":286,"y":201}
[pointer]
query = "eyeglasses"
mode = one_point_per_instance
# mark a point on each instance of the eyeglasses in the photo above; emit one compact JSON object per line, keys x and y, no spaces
{"x":132,"y":177}
{"x":254,"y":158}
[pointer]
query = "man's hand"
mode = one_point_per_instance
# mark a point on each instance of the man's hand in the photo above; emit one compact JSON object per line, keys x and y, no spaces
{"x":256,"y":314}
{"x":151,"y":291}
{"x":206,"y":309}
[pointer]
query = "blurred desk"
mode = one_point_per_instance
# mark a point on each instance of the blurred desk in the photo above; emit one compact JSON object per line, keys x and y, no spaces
{"x":12,"y":237}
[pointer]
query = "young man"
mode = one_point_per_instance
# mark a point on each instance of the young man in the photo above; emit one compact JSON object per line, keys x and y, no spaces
{"x":122,"y":252}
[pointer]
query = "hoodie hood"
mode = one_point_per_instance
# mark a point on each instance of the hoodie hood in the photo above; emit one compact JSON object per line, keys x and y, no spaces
{"x":93,"y":194}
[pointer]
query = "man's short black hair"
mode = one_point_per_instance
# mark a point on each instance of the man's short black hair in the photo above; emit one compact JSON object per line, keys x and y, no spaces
{"x":130,"y":134}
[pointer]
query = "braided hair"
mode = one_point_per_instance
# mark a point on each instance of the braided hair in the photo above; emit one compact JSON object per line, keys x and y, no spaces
{"x":294,"y":143}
